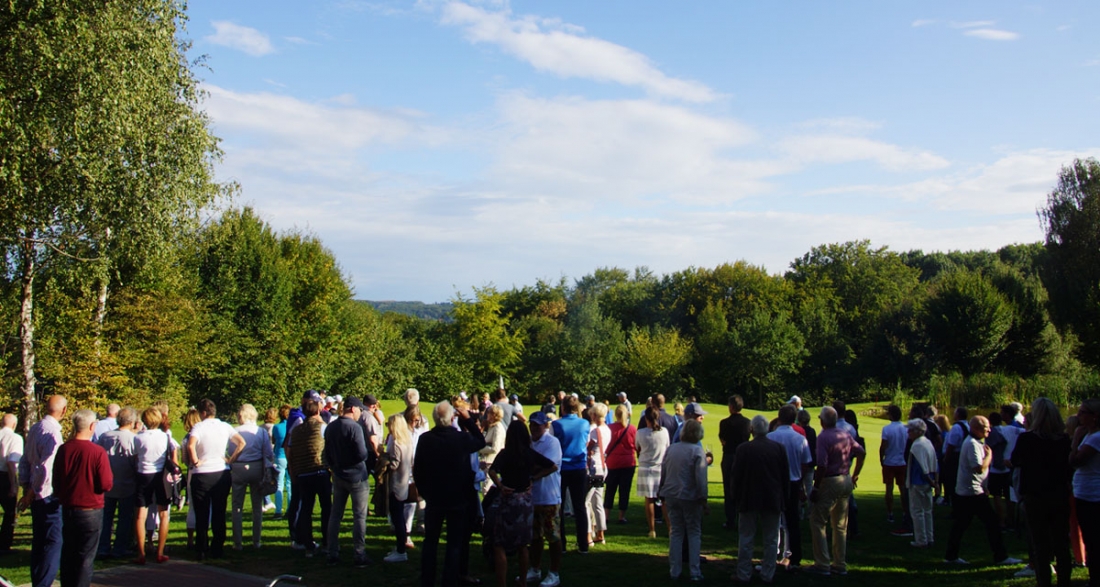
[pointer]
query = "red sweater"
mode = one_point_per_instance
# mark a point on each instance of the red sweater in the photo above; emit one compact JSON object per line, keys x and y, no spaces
{"x":81,"y":474}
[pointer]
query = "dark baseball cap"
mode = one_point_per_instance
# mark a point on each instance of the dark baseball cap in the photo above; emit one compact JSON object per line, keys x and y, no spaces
{"x":539,"y":418}
{"x":353,"y":402}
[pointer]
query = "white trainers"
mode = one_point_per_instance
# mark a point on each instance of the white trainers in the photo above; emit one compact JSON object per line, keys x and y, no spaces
{"x":1024,"y":573}
{"x":1008,"y":560}
{"x":534,"y":575}
{"x":957,"y":561}
{"x":551,"y":580}
{"x":396,"y":557}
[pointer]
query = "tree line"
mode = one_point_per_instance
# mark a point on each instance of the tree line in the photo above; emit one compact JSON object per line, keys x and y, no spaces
{"x":127,"y":275}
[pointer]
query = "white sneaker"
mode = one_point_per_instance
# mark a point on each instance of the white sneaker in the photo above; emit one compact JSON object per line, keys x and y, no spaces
{"x":534,"y":575}
{"x":269,"y":507}
{"x":551,"y":580}
{"x":1024,"y":572}
{"x":396,"y":557}
{"x":1009,"y":561}
{"x":957,"y":561}
{"x":296,"y":546}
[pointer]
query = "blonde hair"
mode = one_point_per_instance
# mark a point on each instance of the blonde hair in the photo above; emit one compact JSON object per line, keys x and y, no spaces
{"x":597,"y":412}
{"x":191,"y":418}
{"x":151,"y":417}
{"x":400,"y":430}
{"x":493,"y":415}
{"x":622,"y":414}
{"x":247,"y":414}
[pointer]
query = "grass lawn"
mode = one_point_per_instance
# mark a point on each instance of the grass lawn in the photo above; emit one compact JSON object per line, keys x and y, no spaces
{"x":630,"y":557}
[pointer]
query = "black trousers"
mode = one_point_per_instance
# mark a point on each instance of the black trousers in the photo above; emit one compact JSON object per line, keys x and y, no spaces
{"x":792,"y":512}
{"x":622,"y":481}
{"x":457,"y":519}
{"x":1048,"y":525}
{"x":211,"y":495}
{"x":317,"y":487}
{"x":8,"y":502}
{"x":80,"y":539}
{"x":966,"y":507}
{"x":729,"y":503}
{"x":1088,"y":518}
{"x":576,"y":482}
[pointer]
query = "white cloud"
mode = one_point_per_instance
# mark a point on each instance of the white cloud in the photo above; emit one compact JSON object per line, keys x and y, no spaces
{"x":551,"y":46}
{"x":298,"y":41}
{"x":843,"y":149}
{"x":992,"y":34}
{"x":313,"y":126}
{"x":974,"y":24}
{"x":623,"y":149}
{"x":922,"y":22}
{"x":242,"y":38}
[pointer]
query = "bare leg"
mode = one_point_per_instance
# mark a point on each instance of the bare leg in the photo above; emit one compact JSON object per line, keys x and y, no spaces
{"x":524,"y":563}
{"x":139,"y":531}
{"x":500,"y":564}
{"x":162,"y":537}
{"x":649,"y":515}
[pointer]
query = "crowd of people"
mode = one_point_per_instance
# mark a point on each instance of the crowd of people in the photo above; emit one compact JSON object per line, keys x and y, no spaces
{"x":485,"y":465}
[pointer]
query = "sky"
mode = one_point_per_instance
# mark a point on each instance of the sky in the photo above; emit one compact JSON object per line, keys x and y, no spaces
{"x":435,"y":146}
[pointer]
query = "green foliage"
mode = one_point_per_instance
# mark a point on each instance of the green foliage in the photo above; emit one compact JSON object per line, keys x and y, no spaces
{"x":1071,"y":220}
{"x":967,"y":321}
{"x":482,"y":333}
{"x":416,"y":309}
{"x":653,"y":361}
{"x":591,"y":351}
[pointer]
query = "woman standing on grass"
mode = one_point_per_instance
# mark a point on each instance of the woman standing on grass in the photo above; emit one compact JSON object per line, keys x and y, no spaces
{"x":1040,"y":457}
{"x":513,"y":471}
{"x":278,"y":438}
{"x":248,"y":474}
{"x":399,"y":453}
{"x":599,"y":440}
{"x":495,"y":431}
{"x":652,"y":443}
{"x":621,"y":462}
{"x":684,"y":491}
{"x":152,"y":447}
{"x":210,"y":478}
{"x":1086,"y":483}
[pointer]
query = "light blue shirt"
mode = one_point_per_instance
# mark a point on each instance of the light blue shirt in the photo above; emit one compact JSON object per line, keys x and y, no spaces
{"x":547,"y":491}
{"x":798,"y":450}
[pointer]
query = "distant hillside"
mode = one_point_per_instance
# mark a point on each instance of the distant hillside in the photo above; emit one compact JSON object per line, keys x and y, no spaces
{"x":419,"y":309}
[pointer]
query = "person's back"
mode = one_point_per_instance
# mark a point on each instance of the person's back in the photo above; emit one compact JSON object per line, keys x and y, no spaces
{"x":345,"y":449}
{"x":572,"y":432}
{"x":122,"y":456}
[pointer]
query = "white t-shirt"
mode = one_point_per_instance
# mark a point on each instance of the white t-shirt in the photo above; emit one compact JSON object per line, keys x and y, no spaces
{"x":150,"y":447}
{"x":651,"y":446}
{"x":11,"y":449}
{"x":897,"y":435}
{"x":1086,"y":480}
{"x":971,"y":454}
{"x":211,"y":438}
{"x":596,"y":435}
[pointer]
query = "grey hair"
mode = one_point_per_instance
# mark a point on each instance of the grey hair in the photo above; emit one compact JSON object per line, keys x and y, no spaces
{"x":82,"y":420}
{"x":443,"y":413}
{"x":247,"y":414}
{"x":412,"y":396}
{"x":759,"y":425}
{"x":693,"y":431}
{"x":918,"y":425}
{"x":828,"y":417}
{"x":126,"y":416}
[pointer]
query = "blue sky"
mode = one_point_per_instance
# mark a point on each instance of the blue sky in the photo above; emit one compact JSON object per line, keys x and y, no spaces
{"x":435,"y":146}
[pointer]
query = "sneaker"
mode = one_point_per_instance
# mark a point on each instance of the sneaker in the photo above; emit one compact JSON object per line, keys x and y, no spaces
{"x":551,"y":580}
{"x":838,"y":571}
{"x":941,"y":501}
{"x":915,"y":544}
{"x":1024,"y":573}
{"x":296,"y":546}
{"x":696,"y":578}
{"x":534,"y":575}
{"x":269,"y":507}
{"x":890,"y":517}
{"x":396,"y":557}
{"x":1008,"y":560}
{"x":957,"y":561}
{"x":901,"y":532}
{"x":362,"y":562}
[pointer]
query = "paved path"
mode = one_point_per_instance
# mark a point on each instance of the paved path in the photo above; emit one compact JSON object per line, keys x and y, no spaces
{"x":173,"y":574}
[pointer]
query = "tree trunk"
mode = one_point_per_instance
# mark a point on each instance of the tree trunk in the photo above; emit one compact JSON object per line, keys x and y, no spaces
{"x":100,"y":313}
{"x":26,"y":332}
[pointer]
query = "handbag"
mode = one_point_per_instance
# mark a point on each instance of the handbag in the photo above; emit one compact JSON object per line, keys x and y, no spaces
{"x":173,"y":477}
{"x":597,"y":481}
{"x":270,"y":483}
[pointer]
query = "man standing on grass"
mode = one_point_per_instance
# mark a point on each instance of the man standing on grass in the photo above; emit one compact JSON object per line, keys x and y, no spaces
{"x":36,"y":475}
{"x":921,"y":476}
{"x":891,"y":455}
{"x":971,"y":498}
{"x":122,"y":455}
{"x":346,"y":455}
{"x":732,"y":431}
{"x":546,"y":499}
{"x":833,"y":484}
{"x":11,"y":450}
{"x":761,"y":481}
{"x":799,"y":463}
{"x":446,"y":482}
{"x":81,"y":474}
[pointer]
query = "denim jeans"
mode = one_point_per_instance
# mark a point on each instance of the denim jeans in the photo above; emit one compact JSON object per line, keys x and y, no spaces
{"x":576,"y":482}
{"x":282,"y":494}
{"x":45,"y":541}
{"x":359,"y":492}
{"x":80,"y":532}
{"x":123,"y":530}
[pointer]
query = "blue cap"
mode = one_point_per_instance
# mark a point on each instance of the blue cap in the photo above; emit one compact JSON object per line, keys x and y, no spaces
{"x":539,"y":418}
